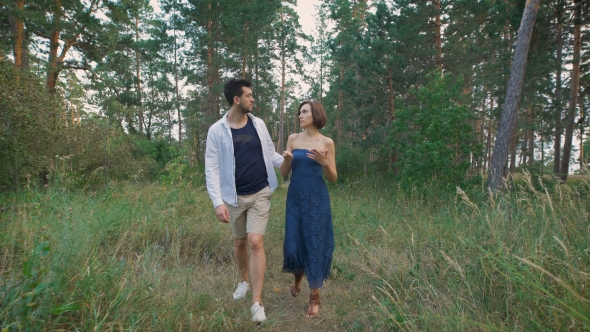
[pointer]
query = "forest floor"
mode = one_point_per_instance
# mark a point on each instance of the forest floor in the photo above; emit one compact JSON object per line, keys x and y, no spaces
{"x":153,"y":257}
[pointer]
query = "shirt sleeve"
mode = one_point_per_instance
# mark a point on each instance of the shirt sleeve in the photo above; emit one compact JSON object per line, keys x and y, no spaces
{"x":212,"y":175}
{"x":276,"y":158}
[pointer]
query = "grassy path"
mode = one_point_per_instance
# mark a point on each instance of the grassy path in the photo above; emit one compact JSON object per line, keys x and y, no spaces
{"x":153,"y":258}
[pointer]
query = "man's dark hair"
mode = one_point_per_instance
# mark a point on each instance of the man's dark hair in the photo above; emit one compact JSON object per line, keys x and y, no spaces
{"x":233,"y":88}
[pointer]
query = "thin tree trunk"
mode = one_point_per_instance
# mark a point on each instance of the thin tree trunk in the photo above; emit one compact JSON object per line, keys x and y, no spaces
{"x":575,"y":80}
{"x":138,"y":75}
{"x":557,"y":96}
{"x":489,"y":136}
{"x":245,"y":51}
{"x":524,"y":151}
{"x":513,"y":142}
{"x":581,"y":122}
{"x":531,"y":144}
{"x":53,"y":66}
{"x":177,"y":103}
{"x":282,"y":105}
{"x":339,"y":107}
{"x":18,"y":35}
{"x":210,"y":71}
{"x":437,"y":38}
{"x":514,"y":90}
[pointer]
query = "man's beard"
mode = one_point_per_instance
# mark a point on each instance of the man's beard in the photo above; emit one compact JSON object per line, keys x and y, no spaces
{"x":245,"y":110}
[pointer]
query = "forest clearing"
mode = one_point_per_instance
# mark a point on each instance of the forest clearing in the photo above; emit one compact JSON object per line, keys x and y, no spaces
{"x":153,"y":257}
{"x":459,"y":135}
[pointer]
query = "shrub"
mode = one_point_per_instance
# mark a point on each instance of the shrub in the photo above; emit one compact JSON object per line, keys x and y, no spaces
{"x":29,"y":127}
{"x":432,"y":136}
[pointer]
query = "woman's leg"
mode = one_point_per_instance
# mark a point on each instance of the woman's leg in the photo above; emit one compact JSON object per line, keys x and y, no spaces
{"x":314,"y":304}
{"x":296,"y":286}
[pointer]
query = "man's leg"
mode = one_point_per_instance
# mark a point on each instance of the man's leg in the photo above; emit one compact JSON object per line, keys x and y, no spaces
{"x":257,"y":265}
{"x":241,"y":257}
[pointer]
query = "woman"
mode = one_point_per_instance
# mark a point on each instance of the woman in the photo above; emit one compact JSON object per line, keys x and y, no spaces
{"x":309,"y":235}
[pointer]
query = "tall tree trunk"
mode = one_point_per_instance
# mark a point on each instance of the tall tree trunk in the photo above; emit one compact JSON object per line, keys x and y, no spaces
{"x":53,"y":66}
{"x":391,"y":98}
{"x":138,"y":76}
{"x":177,"y":103}
{"x":489,"y":136}
{"x":437,"y":34}
{"x":581,"y":122}
{"x":210,"y":72}
{"x":525,"y":148}
{"x":245,"y":51}
{"x":514,"y":90}
{"x":513,"y":142}
{"x":321,"y":72}
{"x":575,"y":83}
{"x":339,"y":107}
{"x":282,"y":105}
{"x":557,"y":96}
{"x":18,"y":35}
{"x":531,"y":135}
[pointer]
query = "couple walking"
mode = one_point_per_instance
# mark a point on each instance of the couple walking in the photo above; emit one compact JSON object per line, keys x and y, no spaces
{"x":239,"y":162}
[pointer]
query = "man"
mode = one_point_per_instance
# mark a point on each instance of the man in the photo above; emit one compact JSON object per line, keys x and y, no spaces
{"x":239,"y":162}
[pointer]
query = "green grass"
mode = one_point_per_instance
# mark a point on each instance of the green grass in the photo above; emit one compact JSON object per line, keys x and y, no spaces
{"x":153,"y":257}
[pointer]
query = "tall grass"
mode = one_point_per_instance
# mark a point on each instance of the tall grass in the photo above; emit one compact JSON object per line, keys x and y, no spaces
{"x":152,"y":257}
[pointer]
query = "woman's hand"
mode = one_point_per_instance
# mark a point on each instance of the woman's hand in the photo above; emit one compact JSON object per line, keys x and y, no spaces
{"x":287,"y":155}
{"x":320,"y":157}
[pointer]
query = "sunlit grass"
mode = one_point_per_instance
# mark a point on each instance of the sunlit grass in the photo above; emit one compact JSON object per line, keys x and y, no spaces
{"x":153,"y":257}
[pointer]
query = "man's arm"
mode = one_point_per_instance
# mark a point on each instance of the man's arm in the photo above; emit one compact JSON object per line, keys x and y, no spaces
{"x":213,"y":178}
{"x":212,"y":175}
{"x":276,"y":158}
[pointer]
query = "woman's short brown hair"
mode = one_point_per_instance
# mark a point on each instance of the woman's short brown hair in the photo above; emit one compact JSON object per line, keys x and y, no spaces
{"x":317,"y":112}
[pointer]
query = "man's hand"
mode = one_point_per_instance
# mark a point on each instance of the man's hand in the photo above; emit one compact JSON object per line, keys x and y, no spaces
{"x":222,"y":213}
{"x":287,"y":155}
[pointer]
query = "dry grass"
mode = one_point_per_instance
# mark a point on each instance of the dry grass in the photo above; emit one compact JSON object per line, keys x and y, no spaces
{"x":153,"y":257}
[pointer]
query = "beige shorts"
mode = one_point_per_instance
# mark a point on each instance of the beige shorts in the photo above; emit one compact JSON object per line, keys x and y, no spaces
{"x":251,"y":215}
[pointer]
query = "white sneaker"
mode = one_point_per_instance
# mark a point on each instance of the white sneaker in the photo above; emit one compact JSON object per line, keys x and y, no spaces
{"x":241,"y":291}
{"x":258,"y":315}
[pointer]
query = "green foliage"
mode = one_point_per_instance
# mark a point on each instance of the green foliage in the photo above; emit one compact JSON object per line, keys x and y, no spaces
{"x":432,"y":135}
{"x":29,"y":127}
{"x":152,"y":257}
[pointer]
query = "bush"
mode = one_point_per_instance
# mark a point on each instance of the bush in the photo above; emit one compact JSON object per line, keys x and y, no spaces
{"x":433,"y":136}
{"x":29,"y":127}
{"x":36,"y":147}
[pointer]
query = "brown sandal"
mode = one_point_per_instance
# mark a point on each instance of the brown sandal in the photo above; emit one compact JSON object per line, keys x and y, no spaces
{"x":313,"y":301}
{"x":295,"y":291}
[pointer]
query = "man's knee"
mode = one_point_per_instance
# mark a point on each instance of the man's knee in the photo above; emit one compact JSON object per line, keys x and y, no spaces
{"x":255,"y":241}
{"x":241,"y":244}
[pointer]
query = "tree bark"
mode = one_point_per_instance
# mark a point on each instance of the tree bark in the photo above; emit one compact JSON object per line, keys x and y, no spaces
{"x":575,"y":83}
{"x":531,"y":144}
{"x":53,"y":66}
{"x":210,"y":72}
{"x":557,"y":95}
{"x":282,"y":103}
{"x":18,"y":35}
{"x":339,"y":107}
{"x":138,"y":76}
{"x":489,"y":136}
{"x":245,"y":51}
{"x":513,"y":142}
{"x":177,"y":103}
{"x":437,"y":34}
{"x":514,"y":90}
{"x":581,"y":122}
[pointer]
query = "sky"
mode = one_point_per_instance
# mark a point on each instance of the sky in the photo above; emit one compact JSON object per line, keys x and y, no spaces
{"x":306,"y":9}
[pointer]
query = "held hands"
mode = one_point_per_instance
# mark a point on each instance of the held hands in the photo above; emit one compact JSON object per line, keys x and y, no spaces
{"x":222,"y":213}
{"x":320,"y":157}
{"x":287,"y":155}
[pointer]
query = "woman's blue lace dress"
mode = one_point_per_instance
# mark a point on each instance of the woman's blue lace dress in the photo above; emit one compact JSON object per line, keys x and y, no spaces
{"x":309,"y":234}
